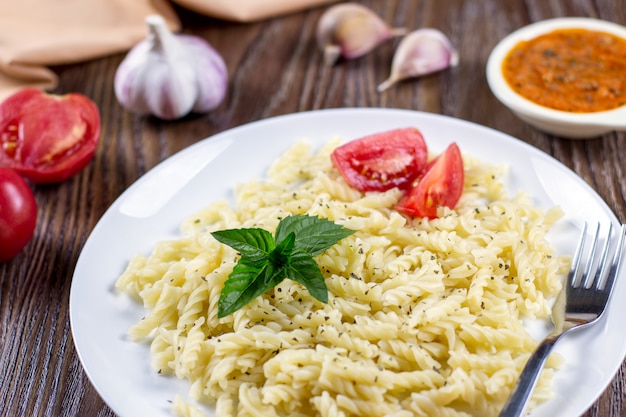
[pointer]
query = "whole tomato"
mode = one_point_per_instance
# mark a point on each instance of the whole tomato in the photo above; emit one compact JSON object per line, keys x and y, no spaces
{"x":48,"y":138}
{"x":18,"y":213}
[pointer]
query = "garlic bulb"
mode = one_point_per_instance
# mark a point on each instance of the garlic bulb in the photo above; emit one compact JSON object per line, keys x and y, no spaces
{"x":170,"y":75}
{"x":350,"y":30}
{"x":421,"y":52}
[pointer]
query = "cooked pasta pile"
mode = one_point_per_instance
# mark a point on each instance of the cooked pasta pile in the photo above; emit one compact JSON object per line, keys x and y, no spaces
{"x":425,"y":318}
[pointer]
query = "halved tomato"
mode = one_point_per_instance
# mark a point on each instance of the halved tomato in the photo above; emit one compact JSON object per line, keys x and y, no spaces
{"x":441,"y":185}
{"x":383,"y":160}
{"x":48,"y":138}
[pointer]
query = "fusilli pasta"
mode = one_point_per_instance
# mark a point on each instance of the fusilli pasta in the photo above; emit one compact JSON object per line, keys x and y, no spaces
{"x":425,"y":318}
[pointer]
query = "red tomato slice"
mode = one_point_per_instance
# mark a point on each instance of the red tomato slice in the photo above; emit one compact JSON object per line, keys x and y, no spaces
{"x":18,"y":213}
{"x":48,"y":138}
{"x":441,"y":185}
{"x":383,"y":160}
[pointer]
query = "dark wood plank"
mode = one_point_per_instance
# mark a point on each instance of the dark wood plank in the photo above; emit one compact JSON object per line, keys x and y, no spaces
{"x":275,"y":68}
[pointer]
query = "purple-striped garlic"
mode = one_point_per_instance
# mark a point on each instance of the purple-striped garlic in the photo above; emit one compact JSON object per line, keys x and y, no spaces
{"x":170,"y":75}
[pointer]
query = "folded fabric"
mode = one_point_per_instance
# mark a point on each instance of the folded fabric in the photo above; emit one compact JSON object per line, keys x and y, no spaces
{"x":36,"y":34}
{"x":248,"y":10}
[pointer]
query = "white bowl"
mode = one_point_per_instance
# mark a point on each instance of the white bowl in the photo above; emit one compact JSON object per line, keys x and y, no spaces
{"x":560,"y":123}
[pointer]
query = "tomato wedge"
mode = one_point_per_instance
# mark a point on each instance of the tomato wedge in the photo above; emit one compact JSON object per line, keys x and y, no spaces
{"x":441,"y":185}
{"x":383,"y":160}
{"x":48,"y":138}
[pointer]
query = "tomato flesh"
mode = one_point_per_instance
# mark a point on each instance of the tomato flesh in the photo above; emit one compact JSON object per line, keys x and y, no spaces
{"x":48,"y":138}
{"x":383,"y":160}
{"x":441,"y":185}
{"x":18,"y":213}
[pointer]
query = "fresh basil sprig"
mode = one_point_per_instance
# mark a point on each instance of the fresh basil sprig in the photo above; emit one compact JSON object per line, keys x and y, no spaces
{"x":266,"y":260}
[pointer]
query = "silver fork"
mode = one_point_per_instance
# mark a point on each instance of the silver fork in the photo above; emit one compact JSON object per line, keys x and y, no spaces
{"x":585,"y":299}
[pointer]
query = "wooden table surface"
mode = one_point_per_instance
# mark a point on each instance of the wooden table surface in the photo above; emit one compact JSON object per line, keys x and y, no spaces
{"x":275,"y":68}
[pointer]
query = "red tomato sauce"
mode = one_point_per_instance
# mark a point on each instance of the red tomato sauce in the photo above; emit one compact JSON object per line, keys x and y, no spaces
{"x":573,"y":70}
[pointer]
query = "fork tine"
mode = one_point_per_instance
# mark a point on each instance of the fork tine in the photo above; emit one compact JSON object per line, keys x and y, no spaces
{"x":588,"y":276}
{"x":603,"y":264}
{"x":617,"y":259}
{"x":573,"y":272}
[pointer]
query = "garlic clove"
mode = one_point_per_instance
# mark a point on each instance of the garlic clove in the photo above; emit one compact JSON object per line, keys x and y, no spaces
{"x":421,"y":52}
{"x":170,"y":75}
{"x":350,"y":30}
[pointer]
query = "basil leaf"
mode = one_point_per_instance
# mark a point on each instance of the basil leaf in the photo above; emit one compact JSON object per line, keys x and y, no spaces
{"x":278,"y":260}
{"x":254,"y":244}
{"x":274,"y":276}
{"x":313,"y":234}
{"x":266,"y":261}
{"x":279,"y":257}
{"x":244,"y":284}
{"x":303,"y":269}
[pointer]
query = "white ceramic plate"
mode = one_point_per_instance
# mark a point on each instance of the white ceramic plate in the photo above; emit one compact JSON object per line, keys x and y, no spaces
{"x":153,"y":208}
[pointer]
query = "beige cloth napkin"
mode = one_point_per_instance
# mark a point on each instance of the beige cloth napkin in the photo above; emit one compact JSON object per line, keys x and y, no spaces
{"x":38,"y":33}
{"x":35,"y":34}
{"x":248,"y":10}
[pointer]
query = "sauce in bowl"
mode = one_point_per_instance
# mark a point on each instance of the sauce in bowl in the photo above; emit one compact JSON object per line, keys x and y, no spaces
{"x":575,"y":80}
{"x":573,"y":70}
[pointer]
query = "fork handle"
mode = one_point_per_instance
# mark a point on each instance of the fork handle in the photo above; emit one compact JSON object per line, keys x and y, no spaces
{"x":516,"y":403}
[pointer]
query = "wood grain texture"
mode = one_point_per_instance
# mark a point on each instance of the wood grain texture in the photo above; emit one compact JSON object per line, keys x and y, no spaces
{"x":274,"y":68}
